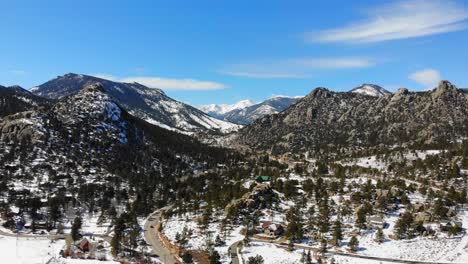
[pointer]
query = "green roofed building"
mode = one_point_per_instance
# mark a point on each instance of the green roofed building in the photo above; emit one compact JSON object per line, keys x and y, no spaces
{"x":263,"y":178}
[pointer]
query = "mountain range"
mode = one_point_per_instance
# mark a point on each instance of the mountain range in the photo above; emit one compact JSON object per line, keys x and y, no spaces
{"x":88,"y":137}
{"x":149,"y":104}
{"x":367,"y":115}
{"x":15,"y":99}
{"x":219,"y":110}
{"x":371,"y":90}
{"x":325,"y":120}
{"x":245,"y":112}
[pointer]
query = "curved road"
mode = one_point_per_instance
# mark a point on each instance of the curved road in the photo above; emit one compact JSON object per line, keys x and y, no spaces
{"x":151,"y":237}
{"x":233,"y":252}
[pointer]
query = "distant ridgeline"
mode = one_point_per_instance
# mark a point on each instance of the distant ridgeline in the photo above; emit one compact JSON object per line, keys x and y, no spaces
{"x":327,"y":120}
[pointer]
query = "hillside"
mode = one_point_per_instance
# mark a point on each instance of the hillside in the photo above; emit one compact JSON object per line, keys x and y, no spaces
{"x":16,"y":99}
{"x":246,"y":112}
{"x":87,"y":142}
{"x":333,"y":120}
{"x":151,"y":105}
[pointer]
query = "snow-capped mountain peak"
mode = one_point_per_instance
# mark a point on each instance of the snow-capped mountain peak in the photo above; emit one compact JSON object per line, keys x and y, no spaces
{"x":245,"y":112}
{"x":371,"y":90}
{"x":242,"y":104}
{"x":151,"y":105}
{"x":221,"y":109}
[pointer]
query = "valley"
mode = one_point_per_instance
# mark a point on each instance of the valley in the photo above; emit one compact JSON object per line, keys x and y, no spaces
{"x":87,"y":178}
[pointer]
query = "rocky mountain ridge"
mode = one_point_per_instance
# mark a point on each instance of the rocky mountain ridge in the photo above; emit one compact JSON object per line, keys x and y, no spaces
{"x":15,"y":99}
{"x":325,"y":119}
{"x":89,"y":139}
{"x":150,"y":104}
{"x":245,"y":112}
{"x":218,"y":110}
{"x":371,"y":90}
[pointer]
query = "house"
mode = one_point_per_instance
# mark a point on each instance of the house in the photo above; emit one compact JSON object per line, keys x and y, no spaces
{"x":377,"y":221}
{"x":263,"y":179}
{"x":84,"y":245}
{"x":271,"y":229}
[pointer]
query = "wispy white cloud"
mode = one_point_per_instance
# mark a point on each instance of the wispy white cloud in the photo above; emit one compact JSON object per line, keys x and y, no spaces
{"x":104,"y":76}
{"x":399,"y":20}
{"x":427,"y":77}
{"x":175,"y":84}
{"x":294,"y":68}
{"x":264,"y":75}
{"x":166,"y":83}
{"x":334,"y":63}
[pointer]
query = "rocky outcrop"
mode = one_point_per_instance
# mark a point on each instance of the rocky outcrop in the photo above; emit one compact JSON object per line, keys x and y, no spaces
{"x":260,"y":197}
{"x":326,"y":119}
{"x":149,"y":104}
{"x":22,"y":127}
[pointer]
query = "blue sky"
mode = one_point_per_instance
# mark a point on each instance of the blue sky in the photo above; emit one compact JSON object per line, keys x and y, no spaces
{"x":224,"y":51}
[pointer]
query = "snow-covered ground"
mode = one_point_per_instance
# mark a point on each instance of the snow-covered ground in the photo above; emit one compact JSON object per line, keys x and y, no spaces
{"x":198,"y":240}
{"x":375,"y":162}
{"x":23,"y":250}
{"x":271,"y":254}
{"x":28,"y":250}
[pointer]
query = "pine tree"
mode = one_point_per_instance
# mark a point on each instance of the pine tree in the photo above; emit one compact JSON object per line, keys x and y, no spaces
{"x":115,"y":244}
{"x":309,"y":258}
{"x":337,"y":233}
{"x":215,"y":257}
{"x":294,"y":230}
{"x":324,"y":216}
{"x":255,"y":260}
{"x":290,"y":245}
{"x":353,"y":243}
{"x":119,"y":227}
{"x":76,"y":226}
{"x":246,"y":240}
{"x":361,"y":218}
{"x":379,"y":236}
{"x":187,"y":258}
{"x":403,"y":224}
{"x":219,"y":241}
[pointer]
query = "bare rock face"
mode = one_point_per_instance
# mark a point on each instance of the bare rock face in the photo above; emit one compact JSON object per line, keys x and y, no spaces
{"x":325,"y":119}
{"x":22,"y":127}
{"x":445,"y":88}
{"x":260,"y":197}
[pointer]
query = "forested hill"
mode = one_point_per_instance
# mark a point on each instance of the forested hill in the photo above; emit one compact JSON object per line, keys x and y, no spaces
{"x":345,"y":120}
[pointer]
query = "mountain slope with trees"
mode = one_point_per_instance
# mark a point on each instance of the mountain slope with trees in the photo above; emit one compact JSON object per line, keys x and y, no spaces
{"x":149,"y":104}
{"x":326,"y":120}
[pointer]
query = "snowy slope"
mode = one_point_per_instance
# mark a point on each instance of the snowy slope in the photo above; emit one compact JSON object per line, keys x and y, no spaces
{"x":270,"y":106}
{"x":245,"y":112}
{"x":152,"y":105}
{"x":371,"y":90}
{"x":218,"y":110}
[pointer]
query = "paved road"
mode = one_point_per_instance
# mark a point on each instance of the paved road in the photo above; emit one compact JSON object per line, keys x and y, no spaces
{"x":233,"y":252}
{"x":152,"y":238}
